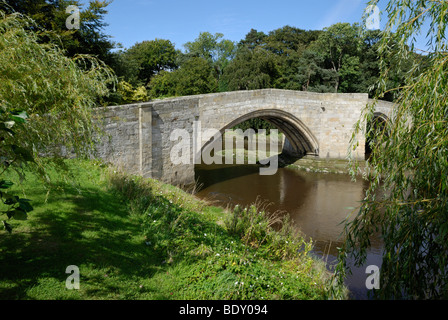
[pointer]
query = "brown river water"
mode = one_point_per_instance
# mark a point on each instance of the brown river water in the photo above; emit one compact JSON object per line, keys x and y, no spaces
{"x":318,"y":203}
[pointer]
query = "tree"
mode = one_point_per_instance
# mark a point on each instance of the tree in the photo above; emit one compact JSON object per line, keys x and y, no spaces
{"x":409,"y":162}
{"x":289,"y":44}
{"x":311,"y":74}
{"x":349,"y":74}
{"x":195,"y":76}
{"x":163,"y":85}
{"x":146,"y":59}
{"x":369,"y":71}
{"x":287,"y":40}
{"x":216,"y":51}
{"x":126,"y":93}
{"x":46,"y":102}
{"x":50,"y":18}
{"x":338,"y":42}
{"x":253,"y":39}
{"x":251,"y":69}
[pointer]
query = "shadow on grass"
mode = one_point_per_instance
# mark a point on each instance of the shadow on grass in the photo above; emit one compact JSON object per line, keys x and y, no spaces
{"x":88,"y":227}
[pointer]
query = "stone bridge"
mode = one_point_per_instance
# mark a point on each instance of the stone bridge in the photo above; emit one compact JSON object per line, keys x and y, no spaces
{"x":314,"y":124}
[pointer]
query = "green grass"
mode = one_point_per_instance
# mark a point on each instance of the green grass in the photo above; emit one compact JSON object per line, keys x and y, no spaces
{"x":135,"y":238}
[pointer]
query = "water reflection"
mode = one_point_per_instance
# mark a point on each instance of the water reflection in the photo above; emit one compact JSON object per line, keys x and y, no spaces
{"x":318,"y":203}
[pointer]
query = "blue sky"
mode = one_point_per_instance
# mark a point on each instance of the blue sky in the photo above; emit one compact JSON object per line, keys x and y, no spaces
{"x":180,"y":21}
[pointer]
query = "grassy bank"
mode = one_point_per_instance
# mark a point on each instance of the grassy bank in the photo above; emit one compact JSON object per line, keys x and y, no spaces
{"x":135,"y":238}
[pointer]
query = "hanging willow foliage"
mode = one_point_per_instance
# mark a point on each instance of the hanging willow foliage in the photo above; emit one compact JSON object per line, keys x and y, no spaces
{"x":58,"y":93}
{"x":407,"y":201}
{"x":46,"y":100}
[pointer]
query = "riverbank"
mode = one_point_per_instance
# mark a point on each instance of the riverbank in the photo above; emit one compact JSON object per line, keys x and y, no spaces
{"x":337,"y":166}
{"x":135,"y":238}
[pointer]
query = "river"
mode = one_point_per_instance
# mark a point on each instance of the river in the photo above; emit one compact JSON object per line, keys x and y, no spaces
{"x":317,"y":202}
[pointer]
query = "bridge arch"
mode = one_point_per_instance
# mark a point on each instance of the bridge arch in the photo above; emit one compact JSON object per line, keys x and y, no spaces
{"x":300,"y":141}
{"x":379,"y":123}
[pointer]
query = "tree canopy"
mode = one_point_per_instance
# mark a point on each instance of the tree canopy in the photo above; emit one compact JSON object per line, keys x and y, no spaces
{"x":50,"y":18}
{"x":340,"y":58}
{"x":146,"y":59}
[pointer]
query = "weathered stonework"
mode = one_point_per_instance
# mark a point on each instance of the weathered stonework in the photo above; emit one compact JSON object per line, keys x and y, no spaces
{"x":315,"y":124}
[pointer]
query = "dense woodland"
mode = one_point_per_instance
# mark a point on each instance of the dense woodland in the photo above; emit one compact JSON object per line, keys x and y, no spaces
{"x":341,"y":58}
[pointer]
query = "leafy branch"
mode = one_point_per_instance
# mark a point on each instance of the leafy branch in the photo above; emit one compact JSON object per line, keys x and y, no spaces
{"x":17,"y":207}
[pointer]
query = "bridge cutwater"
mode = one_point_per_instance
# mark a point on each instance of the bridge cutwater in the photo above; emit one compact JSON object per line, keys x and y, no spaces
{"x":314,"y":124}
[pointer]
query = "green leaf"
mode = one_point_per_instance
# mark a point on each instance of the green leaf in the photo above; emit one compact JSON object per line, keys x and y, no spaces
{"x":4,"y":184}
{"x":19,"y":116}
